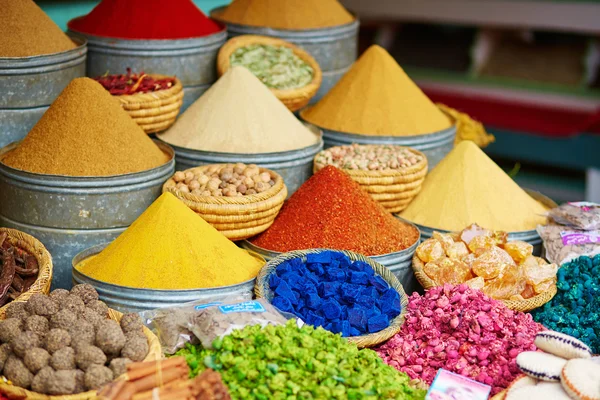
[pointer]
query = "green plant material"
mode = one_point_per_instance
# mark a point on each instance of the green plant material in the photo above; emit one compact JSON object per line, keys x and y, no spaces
{"x":194,"y":356}
{"x":515,"y":170}
{"x":287,"y":362}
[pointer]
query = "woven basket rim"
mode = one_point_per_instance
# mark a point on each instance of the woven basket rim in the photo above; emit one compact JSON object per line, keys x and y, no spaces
{"x":138,"y":98}
{"x":36,"y":249}
{"x":223,"y":63}
{"x":262,"y":290}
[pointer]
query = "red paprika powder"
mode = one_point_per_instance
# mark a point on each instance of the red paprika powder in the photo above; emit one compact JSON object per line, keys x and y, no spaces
{"x":145,"y":19}
{"x":330,"y":210}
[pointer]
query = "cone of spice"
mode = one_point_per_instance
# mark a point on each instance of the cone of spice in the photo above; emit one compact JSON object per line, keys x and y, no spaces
{"x":331,"y":211}
{"x":27,"y":31}
{"x":286,"y":14}
{"x":376,"y":97}
{"x":145,"y":19}
{"x":85,"y":133}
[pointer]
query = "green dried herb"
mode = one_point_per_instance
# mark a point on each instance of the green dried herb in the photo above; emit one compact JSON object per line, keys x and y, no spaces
{"x":278,"y":67}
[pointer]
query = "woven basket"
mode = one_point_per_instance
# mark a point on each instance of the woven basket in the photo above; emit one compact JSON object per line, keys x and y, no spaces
{"x":154,"y":353}
{"x":154,"y":111}
{"x":237,"y":218}
{"x":517,"y":305}
{"x":263,"y":290}
{"x":393,"y":189}
{"x":35,"y":248}
{"x":294,"y":99}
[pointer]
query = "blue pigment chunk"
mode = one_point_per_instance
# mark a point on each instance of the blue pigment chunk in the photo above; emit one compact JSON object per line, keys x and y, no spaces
{"x":274,"y":281}
{"x":354,"y":332}
{"x":345,"y":328}
{"x":323,"y":258}
{"x":358,"y":318}
{"x":313,"y":301}
{"x":390,"y":303}
{"x":284,"y":290}
{"x":336,"y":326}
{"x":283,"y":268}
{"x":350,"y":292}
{"x":331,"y":309}
{"x":335,"y":274}
{"x":378,"y":323}
{"x":366,"y":301}
{"x":295,"y":281}
{"x":283,"y":304}
{"x":379,"y":283}
{"x":328,"y":289}
{"x":360,"y":278}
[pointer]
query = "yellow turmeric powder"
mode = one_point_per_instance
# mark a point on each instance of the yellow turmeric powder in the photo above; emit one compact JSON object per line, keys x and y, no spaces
{"x":467,"y":187}
{"x":171,"y":247}
{"x":376,"y":97}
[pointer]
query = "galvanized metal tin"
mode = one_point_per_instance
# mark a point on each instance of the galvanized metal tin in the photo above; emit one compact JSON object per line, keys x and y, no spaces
{"x":28,"y":85}
{"x":68,"y":214}
{"x":128,"y":299}
{"x":193,"y":60}
{"x":294,"y":166}
{"x":334,"y":48}
{"x":434,"y":145}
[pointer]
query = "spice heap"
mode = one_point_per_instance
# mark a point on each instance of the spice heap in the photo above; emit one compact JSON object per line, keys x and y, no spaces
{"x":303,"y":362}
{"x":485,"y":260}
{"x":165,"y":380}
{"x":376,"y":97}
{"x":368,"y":157}
{"x":64,"y":343}
{"x":228,"y":180}
{"x":74,"y":139}
{"x":238,"y":114}
{"x":575,"y":310}
{"x":278,"y":67}
{"x":145,"y":19}
{"x":131,"y":83}
{"x":332,"y":291}
{"x":287,"y":14}
{"x":331,"y":211}
{"x":468,"y":187}
{"x":464,"y":331}
{"x":19,"y":270}
{"x":27,"y":31}
{"x":170,"y":247}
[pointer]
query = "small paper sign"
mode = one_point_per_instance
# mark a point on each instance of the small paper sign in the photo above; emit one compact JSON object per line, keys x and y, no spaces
{"x":450,"y":386}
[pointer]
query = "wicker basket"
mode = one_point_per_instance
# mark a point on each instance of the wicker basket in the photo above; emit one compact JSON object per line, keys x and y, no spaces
{"x":393,"y":189}
{"x":517,"y":305}
{"x":35,"y":248}
{"x":263,"y":290}
{"x":154,"y":353}
{"x":237,"y":218}
{"x":154,"y":111}
{"x":294,"y":99}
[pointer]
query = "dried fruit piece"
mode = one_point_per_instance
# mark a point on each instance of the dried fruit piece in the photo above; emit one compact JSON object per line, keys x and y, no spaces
{"x":430,"y":250}
{"x":518,"y":250}
{"x":492,"y":263}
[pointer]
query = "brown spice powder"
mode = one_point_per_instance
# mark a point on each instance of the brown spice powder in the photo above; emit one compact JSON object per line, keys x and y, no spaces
{"x":27,"y":31}
{"x":85,"y":132}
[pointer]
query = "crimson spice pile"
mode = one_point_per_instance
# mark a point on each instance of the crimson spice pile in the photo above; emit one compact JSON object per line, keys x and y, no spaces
{"x":131,"y":83}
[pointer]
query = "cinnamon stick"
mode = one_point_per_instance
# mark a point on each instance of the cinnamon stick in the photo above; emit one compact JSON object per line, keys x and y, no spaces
{"x":110,"y":391}
{"x":154,"y":380}
{"x":164,"y":394}
{"x":139,"y":370}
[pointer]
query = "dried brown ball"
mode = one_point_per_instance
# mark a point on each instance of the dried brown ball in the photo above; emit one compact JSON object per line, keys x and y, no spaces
{"x":86,"y":356}
{"x":131,"y":322}
{"x":82,"y":332}
{"x":58,"y":295}
{"x":138,"y":334}
{"x":25,"y":341}
{"x":85,"y":292}
{"x":5,"y":352}
{"x":136,"y":349}
{"x":35,"y":359}
{"x":91,"y":316}
{"x":64,"y":382}
{"x":56,"y":339}
{"x":73,"y":303}
{"x":16,"y":372}
{"x":16,"y":309}
{"x":64,"y":319}
{"x":119,"y":366}
{"x":37,"y":324}
{"x":9,"y":329}
{"x":110,"y":337}
{"x":96,"y":376}
{"x":40,"y":304}
{"x":42,"y":379}
{"x":63,"y":359}
{"x":99,"y":307}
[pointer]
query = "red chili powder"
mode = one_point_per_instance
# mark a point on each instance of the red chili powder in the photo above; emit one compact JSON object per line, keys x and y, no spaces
{"x":145,"y":19}
{"x":330,"y":210}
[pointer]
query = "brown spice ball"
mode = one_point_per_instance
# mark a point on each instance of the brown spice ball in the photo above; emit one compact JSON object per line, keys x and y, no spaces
{"x":109,"y":337}
{"x":9,"y":329}
{"x":82,"y":332}
{"x":5,"y":352}
{"x":16,"y":309}
{"x":79,"y":381}
{"x":136,"y":349}
{"x":37,"y":324}
{"x":64,"y":319}
{"x":135,"y":334}
{"x":96,"y":376}
{"x":58,"y":295}
{"x":35,"y":359}
{"x":119,"y":366}
{"x":63,"y":382}
{"x":86,"y":356}
{"x":25,"y":341}
{"x":85,"y":292}
{"x":99,"y":307}
{"x":16,"y":372}
{"x":40,"y":304}
{"x":131,"y":322}
{"x":73,"y":303}
{"x":56,"y":339}
{"x":63,"y":359}
{"x":91,"y":316}
{"x":42,"y":379}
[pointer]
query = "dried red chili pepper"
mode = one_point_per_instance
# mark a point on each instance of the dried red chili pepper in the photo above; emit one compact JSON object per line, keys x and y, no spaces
{"x":8,"y":274}
{"x":131,"y":83}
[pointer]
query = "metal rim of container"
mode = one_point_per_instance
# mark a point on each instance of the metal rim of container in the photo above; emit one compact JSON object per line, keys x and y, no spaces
{"x":45,"y":62}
